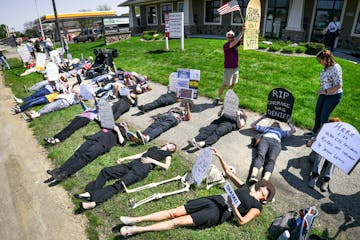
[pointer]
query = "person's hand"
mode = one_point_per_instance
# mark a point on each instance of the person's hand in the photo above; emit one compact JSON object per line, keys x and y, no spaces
{"x":289,"y":121}
{"x":120,"y":160}
{"x":229,"y":201}
{"x":116,"y":128}
{"x":320,"y":92}
{"x":146,"y":160}
{"x":244,"y":27}
{"x":310,"y":142}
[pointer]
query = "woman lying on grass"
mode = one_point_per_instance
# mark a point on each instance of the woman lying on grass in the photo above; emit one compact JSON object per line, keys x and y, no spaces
{"x":127,"y":173}
{"x":207,"y":211}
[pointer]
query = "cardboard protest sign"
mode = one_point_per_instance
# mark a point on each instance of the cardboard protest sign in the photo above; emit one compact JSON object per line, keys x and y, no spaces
{"x":252,"y":19}
{"x":86,"y":92}
{"x":52,"y":71}
{"x":185,"y":93}
{"x":231,"y":193}
{"x":339,"y":143}
{"x":173,"y":82}
{"x":106,"y":114}
{"x":40,"y":61}
{"x":280,"y":104}
{"x":24,"y":53}
{"x":231,"y":104}
{"x":54,"y":56}
{"x":201,"y":165}
{"x":124,"y":91}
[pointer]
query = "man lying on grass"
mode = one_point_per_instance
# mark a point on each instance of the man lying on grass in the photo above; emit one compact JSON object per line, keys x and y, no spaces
{"x":207,"y":211}
{"x":127,"y":173}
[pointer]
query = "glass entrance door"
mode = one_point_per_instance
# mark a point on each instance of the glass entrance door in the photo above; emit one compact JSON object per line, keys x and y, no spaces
{"x":325,"y":11}
{"x":276,"y":17}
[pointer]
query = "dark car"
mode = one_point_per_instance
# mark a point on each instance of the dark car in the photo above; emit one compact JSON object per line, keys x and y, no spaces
{"x":87,"y":35}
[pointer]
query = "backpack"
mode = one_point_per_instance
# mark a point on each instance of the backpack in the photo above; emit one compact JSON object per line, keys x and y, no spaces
{"x":284,"y":222}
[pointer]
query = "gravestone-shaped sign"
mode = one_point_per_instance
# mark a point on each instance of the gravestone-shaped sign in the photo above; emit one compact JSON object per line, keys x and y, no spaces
{"x":252,"y":19}
{"x":280,"y":104}
{"x":40,"y":61}
{"x":231,"y":193}
{"x":339,"y":143}
{"x":86,"y":92}
{"x":231,"y":104}
{"x":201,"y":165}
{"x":24,"y":53}
{"x":52,"y":71}
{"x":106,"y":114}
{"x":54,"y":56}
{"x":173,"y":82}
{"x":124,"y":91}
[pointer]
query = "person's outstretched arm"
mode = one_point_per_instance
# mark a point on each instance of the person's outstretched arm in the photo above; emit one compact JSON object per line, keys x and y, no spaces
{"x":188,"y":112}
{"x":253,"y":124}
{"x":292,"y":128}
{"x":132,"y":157}
{"x":238,"y":38}
{"x":165,"y":165}
{"x":228,"y":172}
{"x":250,"y":215}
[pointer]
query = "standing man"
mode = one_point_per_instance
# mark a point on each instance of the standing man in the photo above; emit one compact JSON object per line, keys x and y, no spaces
{"x":332,"y":32}
{"x":231,"y":72}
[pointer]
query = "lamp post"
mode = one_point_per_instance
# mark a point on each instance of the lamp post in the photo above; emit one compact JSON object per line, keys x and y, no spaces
{"x":41,"y":28}
{"x":57,"y":32}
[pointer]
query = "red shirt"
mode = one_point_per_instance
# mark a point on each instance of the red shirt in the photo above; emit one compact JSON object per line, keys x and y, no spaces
{"x":230,"y":56}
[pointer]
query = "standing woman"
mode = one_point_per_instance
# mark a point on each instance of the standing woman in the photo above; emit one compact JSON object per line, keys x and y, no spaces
{"x":330,"y":93}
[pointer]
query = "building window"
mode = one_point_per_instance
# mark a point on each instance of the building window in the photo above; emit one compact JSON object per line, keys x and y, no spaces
{"x":235,"y":16}
{"x":151,"y":15}
{"x":357,"y":23}
{"x":180,"y":7}
{"x":325,"y":11}
{"x":165,"y":8}
{"x":211,"y":14}
{"x":276,"y":17}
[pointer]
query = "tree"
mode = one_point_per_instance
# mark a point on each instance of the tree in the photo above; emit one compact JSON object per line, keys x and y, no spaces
{"x":104,"y":7}
{"x":31,"y":29}
{"x":3,"y":31}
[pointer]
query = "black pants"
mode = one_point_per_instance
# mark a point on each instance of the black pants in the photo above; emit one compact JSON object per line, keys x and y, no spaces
{"x":161,"y":125}
{"x":85,"y":154}
{"x":164,"y":100}
{"x":217,"y":128}
{"x":120,"y":107}
{"x":129,"y":173}
{"x":76,"y":123}
{"x":269,"y":147}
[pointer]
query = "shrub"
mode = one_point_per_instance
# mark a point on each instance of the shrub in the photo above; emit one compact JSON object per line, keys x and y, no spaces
{"x":152,"y":35}
{"x":288,"y":49}
{"x":263,"y":46}
{"x":300,"y":49}
{"x":313,"y":48}
{"x":274,"y":48}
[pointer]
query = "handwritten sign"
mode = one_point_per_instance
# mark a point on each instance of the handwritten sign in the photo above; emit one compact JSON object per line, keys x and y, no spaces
{"x":52,"y":71}
{"x":253,"y":17}
{"x":201,"y":165}
{"x":280,"y":104}
{"x":40,"y":61}
{"x":176,"y":25}
{"x":231,"y":193}
{"x":231,"y":104}
{"x":339,"y":143}
{"x":106,"y":114}
{"x":86,"y":92}
{"x":24,"y":53}
{"x":173,"y":82}
{"x":54,"y":56}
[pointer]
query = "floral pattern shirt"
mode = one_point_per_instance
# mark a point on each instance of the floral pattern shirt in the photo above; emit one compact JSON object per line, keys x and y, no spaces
{"x":331,"y":77}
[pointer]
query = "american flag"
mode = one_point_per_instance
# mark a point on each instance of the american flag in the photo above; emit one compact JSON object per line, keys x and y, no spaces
{"x":229,"y":7}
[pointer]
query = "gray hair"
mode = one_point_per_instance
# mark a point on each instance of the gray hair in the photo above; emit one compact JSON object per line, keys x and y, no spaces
{"x":231,"y":32}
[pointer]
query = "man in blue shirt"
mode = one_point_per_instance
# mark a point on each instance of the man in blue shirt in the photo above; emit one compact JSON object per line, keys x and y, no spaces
{"x":269,"y":146}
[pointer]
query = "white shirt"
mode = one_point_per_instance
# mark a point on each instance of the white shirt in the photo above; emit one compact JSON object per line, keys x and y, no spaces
{"x":333,"y":27}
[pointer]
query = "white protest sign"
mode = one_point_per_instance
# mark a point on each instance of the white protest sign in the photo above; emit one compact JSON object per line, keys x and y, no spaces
{"x":24,"y":53}
{"x":201,"y":165}
{"x":173,"y":81}
{"x":339,"y":143}
{"x":176,"y":24}
{"x":54,"y":56}
{"x":231,"y":193}
{"x":231,"y":104}
{"x":195,"y":74}
{"x":86,"y":92}
{"x":124,"y":91}
{"x":52,"y":71}
{"x":106,"y":114}
{"x":40,"y":61}
{"x":252,"y":19}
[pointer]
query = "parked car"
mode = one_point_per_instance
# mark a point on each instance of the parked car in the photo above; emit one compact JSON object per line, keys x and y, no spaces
{"x":87,"y":35}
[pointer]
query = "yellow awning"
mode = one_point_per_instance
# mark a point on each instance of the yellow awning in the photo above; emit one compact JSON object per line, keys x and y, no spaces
{"x":67,"y":16}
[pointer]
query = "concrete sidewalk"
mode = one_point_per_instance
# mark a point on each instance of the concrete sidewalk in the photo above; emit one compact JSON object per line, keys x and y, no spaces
{"x":292,"y":167}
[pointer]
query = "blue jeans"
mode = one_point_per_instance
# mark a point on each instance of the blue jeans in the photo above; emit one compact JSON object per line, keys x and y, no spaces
{"x":34,"y":102}
{"x":319,"y":164}
{"x":324,"y":107}
{"x":39,"y":93}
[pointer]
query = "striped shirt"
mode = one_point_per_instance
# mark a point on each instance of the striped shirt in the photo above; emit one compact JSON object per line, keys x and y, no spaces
{"x":273,"y":132}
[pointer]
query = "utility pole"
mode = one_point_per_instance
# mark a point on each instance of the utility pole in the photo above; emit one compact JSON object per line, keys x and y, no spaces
{"x":41,"y":28}
{"x":57,"y":32}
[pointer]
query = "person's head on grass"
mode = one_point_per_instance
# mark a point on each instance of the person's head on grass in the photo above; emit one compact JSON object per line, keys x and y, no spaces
{"x":171,"y":147}
{"x":265,"y":191}
{"x":326,"y":58}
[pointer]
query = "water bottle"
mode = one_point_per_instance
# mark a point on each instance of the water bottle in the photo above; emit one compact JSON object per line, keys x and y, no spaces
{"x":285,"y":235}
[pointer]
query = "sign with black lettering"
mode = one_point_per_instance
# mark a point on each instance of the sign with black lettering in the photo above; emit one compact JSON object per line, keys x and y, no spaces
{"x":339,"y":143}
{"x":201,"y":165}
{"x":280,"y":104}
{"x":252,"y":19}
{"x":231,"y":193}
{"x":231,"y":104}
{"x":106,"y":114}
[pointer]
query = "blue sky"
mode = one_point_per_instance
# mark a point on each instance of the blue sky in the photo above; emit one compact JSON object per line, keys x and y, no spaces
{"x":14,"y":13}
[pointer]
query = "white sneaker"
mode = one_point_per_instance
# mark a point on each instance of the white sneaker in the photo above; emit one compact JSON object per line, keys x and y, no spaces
{"x":18,"y":100}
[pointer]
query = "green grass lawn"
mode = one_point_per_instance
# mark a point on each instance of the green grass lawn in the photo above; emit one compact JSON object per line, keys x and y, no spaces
{"x":259,"y":73}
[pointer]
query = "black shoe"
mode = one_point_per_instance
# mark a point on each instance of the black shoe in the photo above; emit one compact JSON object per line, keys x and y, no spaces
{"x":78,"y":77}
{"x":54,"y":171}
{"x":253,"y":180}
{"x":49,"y":180}
{"x":78,"y":196}
{"x":141,"y":108}
{"x":61,"y":176}
{"x":216,"y":101}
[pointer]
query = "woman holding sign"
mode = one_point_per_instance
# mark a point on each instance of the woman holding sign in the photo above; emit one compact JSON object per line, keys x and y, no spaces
{"x":330,"y":93}
{"x":207,"y":211}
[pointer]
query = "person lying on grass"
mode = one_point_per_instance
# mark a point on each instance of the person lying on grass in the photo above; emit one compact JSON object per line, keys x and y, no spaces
{"x":207,"y":211}
{"x":91,"y":114}
{"x":95,"y":145}
{"x":163,"y":123}
{"x":127,"y":173}
{"x":219,"y":127}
